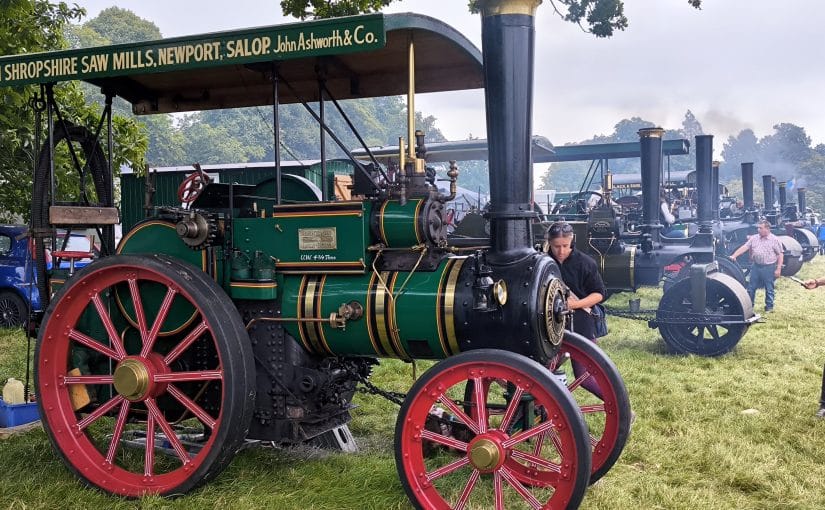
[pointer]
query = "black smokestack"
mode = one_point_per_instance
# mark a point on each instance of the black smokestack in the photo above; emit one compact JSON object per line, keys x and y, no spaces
{"x":507,"y":35}
{"x":650,"y":145}
{"x":802,"y":202}
{"x":716,"y":189}
{"x":783,"y":195}
{"x":767,"y":190}
{"x":704,"y":178}
{"x":747,"y":185}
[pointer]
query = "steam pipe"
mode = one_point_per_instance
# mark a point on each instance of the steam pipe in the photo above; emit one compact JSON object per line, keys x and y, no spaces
{"x":747,"y":185}
{"x":508,"y":34}
{"x":704,"y":179}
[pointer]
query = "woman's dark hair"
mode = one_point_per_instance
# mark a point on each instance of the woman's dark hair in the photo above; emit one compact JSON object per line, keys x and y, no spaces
{"x":559,"y":229}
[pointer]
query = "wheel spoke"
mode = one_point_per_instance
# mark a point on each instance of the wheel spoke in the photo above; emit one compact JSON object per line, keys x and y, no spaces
{"x":465,"y":494}
{"x":194,"y":408}
{"x":185,"y":343}
{"x":595,"y":408}
{"x":88,"y":379}
{"x":139,"y":313}
{"x":119,"y":425}
{"x":536,"y":460}
{"x":167,"y":430}
{"x":714,"y":332}
{"x":163,"y":312}
{"x":205,"y":375}
{"x":525,"y":435}
{"x":149,"y":454}
{"x":579,"y":381}
{"x":449,"y":468}
{"x":444,"y":440}
{"x":99,"y":412}
{"x":480,"y":400}
{"x":519,"y":487}
{"x":511,"y":409}
{"x":93,"y":344}
{"x":498,"y":490}
{"x":114,"y":338}
{"x":459,"y":414}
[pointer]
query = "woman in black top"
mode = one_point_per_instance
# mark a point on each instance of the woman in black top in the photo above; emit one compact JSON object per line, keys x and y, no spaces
{"x":581,"y":275}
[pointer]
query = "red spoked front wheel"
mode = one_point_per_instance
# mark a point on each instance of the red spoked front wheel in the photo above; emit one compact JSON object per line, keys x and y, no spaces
{"x":133,"y":411}
{"x":542,"y":463}
{"x":596,"y":385}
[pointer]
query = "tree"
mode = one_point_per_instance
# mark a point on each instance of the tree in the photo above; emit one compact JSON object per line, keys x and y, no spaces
{"x":122,"y":26}
{"x":29,"y":26}
{"x":743,"y":148}
{"x":599,"y":17}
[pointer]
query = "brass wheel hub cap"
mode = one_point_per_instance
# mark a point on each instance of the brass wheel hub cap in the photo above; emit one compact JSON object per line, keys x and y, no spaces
{"x":131,"y":379}
{"x":484,"y":455}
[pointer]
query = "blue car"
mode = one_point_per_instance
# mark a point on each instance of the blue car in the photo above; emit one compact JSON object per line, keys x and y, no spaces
{"x":18,"y":294}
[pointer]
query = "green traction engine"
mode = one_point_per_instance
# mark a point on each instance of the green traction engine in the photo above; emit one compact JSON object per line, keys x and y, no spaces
{"x":242,"y":314}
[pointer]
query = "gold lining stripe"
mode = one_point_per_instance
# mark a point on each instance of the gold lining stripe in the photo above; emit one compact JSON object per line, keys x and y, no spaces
{"x":370,"y":314}
{"x":140,"y":227}
{"x":321,"y":205}
{"x":320,"y":325}
{"x":269,"y":285}
{"x":360,"y":265}
{"x":299,"y":312}
{"x":439,"y":308}
{"x":398,"y":347}
{"x":381,"y":215}
{"x":449,"y":304}
{"x":316,"y":214}
{"x":419,"y":236}
{"x":381,"y":313}
{"x":309,"y":312}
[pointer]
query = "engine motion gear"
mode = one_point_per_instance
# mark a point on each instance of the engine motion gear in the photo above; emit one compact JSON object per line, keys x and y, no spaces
{"x":197,"y":231}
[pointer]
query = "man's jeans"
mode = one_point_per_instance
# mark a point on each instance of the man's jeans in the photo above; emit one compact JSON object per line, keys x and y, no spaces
{"x":762,"y":276}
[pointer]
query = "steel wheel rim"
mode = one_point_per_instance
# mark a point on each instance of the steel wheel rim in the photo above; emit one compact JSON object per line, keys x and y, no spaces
{"x":501,"y":480}
{"x":101,"y":456}
{"x":708,"y":340}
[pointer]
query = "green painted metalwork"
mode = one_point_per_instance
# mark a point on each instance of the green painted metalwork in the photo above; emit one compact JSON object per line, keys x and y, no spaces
{"x":156,"y":236}
{"x":404,"y":313}
{"x":282,"y":42}
{"x":167,"y":180}
{"x":323,"y":237}
{"x":398,"y":224}
{"x":253,"y":290}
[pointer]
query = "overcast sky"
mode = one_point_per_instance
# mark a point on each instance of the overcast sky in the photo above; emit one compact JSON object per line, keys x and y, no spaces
{"x":736,"y":63}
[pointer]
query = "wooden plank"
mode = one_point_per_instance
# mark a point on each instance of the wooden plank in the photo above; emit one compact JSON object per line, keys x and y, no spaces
{"x":83,"y":215}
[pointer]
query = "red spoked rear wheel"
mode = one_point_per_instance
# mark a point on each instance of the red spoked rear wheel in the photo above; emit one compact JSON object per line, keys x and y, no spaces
{"x":486,"y":467}
{"x":133,"y":412}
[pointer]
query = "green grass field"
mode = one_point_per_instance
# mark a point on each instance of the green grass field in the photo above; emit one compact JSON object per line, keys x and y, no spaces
{"x":691,"y":447}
